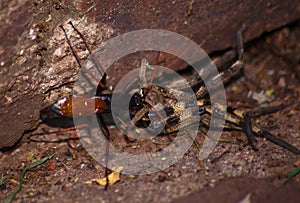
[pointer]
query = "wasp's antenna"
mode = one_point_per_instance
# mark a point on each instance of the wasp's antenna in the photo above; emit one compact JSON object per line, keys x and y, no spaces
{"x":81,"y":36}
{"x":89,"y":50}
{"x":69,"y":43}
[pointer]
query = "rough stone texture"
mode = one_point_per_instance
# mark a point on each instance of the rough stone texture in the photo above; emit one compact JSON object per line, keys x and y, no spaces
{"x":30,"y":71}
{"x":211,"y":24}
{"x":15,"y":91}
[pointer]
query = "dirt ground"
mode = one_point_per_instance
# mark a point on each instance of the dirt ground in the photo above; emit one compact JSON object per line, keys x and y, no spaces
{"x":233,"y":172}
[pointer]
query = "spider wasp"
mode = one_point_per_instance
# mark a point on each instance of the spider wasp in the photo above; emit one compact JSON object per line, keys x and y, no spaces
{"x":59,"y":114}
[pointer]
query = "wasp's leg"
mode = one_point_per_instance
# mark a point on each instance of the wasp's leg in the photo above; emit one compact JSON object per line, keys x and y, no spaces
{"x":106,"y":133}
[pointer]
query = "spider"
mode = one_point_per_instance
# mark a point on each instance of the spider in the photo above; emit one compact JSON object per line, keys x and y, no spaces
{"x":150,"y":98}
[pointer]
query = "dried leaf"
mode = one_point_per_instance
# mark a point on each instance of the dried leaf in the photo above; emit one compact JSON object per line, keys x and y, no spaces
{"x":261,"y":97}
{"x":113,"y":178}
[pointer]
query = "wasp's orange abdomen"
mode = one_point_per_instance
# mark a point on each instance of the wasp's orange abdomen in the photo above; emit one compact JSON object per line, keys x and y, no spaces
{"x":62,"y":112}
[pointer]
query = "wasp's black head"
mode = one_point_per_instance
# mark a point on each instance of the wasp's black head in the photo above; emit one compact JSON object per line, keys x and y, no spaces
{"x":136,"y":103}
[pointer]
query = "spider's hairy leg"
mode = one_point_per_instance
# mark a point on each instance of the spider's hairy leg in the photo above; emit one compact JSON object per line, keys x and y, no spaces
{"x":252,"y":131}
{"x":267,"y":110}
{"x":227,"y":74}
{"x":239,"y":64}
{"x":239,"y":120}
{"x":279,"y":142}
{"x":247,"y":127}
{"x":253,"y":113}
